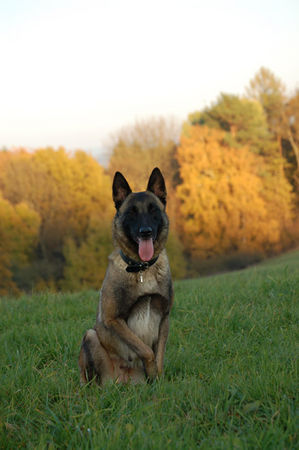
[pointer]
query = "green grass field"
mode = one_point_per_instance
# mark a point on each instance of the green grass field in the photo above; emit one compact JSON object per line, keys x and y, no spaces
{"x":230,"y":370}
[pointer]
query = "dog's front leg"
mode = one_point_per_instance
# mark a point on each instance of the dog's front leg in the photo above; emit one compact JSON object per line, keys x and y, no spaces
{"x":162,"y":339}
{"x":143,"y":351}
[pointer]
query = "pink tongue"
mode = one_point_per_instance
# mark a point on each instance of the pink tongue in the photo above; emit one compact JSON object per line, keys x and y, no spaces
{"x":146,"y":249}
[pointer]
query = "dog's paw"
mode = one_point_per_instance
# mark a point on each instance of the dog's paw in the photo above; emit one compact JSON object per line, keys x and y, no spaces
{"x":151,"y":370}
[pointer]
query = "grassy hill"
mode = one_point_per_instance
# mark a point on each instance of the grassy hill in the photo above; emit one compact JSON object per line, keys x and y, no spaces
{"x":230,"y":370}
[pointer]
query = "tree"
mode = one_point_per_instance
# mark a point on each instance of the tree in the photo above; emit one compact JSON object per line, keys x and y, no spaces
{"x":65,"y":191}
{"x":243,"y":120}
{"x":86,"y":262}
{"x":282,"y":117}
{"x":175,"y":252}
{"x":270,"y":92}
{"x":19,"y":226}
{"x":291,"y":120}
{"x":223,"y":207}
{"x":138,"y":148}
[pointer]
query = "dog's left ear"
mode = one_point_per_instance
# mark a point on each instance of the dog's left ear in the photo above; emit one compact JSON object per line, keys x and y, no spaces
{"x":156,"y":184}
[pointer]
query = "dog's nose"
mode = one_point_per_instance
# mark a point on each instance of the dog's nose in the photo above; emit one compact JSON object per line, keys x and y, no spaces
{"x":145,"y":232}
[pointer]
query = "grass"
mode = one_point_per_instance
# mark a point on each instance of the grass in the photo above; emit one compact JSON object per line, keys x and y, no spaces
{"x":230,"y":370}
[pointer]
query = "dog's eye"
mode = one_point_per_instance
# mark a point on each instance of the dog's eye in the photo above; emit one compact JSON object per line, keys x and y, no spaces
{"x":154,"y":211}
{"x":133,"y":210}
{"x":152,"y":208}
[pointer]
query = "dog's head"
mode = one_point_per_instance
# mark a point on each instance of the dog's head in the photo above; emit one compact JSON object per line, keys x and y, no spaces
{"x":140,"y":226}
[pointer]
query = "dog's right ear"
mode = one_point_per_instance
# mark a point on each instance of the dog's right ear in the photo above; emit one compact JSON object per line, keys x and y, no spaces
{"x":120,"y":189}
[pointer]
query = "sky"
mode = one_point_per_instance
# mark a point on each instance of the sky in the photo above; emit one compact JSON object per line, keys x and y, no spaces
{"x":74,"y":72}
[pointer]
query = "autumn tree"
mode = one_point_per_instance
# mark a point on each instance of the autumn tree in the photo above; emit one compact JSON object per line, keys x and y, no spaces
{"x":19,"y":226}
{"x":223,"y":208}
{"x":66,"y":191}
{"x":245,"y":123}
{"x":86,"y":262}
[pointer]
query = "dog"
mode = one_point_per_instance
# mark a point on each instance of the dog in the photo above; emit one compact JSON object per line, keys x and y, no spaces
{"x":127,"y":343}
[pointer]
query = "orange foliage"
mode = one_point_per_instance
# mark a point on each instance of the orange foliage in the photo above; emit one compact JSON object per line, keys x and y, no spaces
{"x":222,"y":203}
{"x":225,"y":198}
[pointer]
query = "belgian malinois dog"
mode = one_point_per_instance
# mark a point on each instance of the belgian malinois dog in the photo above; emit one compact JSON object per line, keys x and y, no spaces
{"x":127,"y":343}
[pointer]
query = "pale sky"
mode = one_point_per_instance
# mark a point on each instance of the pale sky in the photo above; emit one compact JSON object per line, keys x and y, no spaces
{"x":73,"y":72}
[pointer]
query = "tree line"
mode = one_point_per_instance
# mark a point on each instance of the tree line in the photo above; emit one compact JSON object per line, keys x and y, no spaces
{"x":232,"y":173}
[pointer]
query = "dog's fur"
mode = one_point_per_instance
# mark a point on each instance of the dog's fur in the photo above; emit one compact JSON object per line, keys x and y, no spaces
{"x":128,"y":341}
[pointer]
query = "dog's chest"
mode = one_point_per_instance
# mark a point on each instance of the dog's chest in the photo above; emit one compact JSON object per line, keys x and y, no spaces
{"x":144,"y":321}
{"x":152,"y":281}
{"x":146,"y":284}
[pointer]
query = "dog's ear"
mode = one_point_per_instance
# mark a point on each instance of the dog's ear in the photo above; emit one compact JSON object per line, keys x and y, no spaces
{"x":120,"y":189}
{"x":156,"y":184}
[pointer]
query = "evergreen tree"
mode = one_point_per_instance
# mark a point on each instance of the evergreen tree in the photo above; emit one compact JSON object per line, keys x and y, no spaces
{"x":243,"y":120}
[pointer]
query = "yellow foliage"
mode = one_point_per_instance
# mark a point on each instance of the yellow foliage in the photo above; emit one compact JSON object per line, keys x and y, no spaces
{"x":175,"y":252}
{"x":222,"y":204}
{"x":86,"y":263}
{"x":18,"y":236}
{"x":63,"y":189}
{"x":56,"y":207}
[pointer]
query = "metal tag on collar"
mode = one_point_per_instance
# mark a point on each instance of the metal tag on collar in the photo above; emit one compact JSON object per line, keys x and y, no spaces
{"x":141,"y":276}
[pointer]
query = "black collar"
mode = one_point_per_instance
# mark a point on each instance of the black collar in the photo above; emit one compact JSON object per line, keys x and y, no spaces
{"x":135,"y":266}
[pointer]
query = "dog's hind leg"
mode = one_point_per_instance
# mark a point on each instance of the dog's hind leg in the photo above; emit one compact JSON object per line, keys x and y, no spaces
{"x":94,"y":361}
